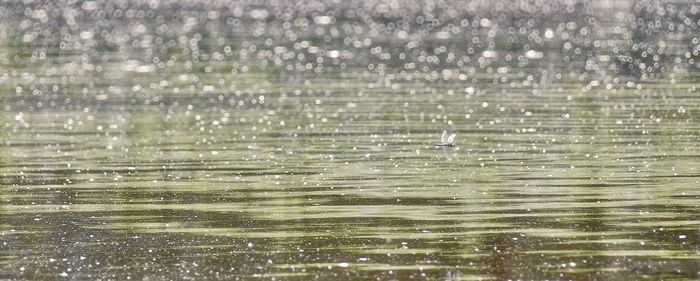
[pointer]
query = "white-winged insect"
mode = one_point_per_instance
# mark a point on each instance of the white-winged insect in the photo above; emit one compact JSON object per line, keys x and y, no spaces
{"x":445,"y":140}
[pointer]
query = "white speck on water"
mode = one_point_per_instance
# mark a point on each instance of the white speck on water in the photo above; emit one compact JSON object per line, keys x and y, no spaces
{"x":85,"y":35}
{"x":259,"y":14}
{"x":136,"y":66}
{"x":333,"y":54}
{"x":489,"y":54}
{"x":323,"y":20}
{"x":531,"y":54}
{"x":402,"y":34}
{"x":549,"y":33}
{"x":343,"y":264}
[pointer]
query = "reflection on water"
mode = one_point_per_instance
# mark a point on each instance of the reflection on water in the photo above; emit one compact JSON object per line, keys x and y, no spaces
{"x":178,"y":142}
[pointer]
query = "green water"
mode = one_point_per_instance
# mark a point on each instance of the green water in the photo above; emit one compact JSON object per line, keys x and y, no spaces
{"x":352,"y":188}
{"x":115,"y":168}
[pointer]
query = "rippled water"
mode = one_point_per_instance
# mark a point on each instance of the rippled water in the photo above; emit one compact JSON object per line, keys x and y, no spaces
{"x":114,"y":167}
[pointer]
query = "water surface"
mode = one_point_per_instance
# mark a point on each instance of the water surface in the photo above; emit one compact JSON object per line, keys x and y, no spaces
{"x":218,"y":162}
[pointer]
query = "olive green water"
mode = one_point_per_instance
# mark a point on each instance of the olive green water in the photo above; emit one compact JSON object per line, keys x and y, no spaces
{"x":190,"y":172}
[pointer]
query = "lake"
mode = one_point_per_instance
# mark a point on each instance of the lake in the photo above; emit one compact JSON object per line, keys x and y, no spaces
{"x":294,"y":141}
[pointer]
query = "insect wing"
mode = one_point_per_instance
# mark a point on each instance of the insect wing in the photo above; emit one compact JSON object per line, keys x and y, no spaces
{"x":451,"y":139}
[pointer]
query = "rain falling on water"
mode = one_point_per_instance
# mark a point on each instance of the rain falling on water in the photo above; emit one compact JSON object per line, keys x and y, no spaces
{"x":297,"y":140}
